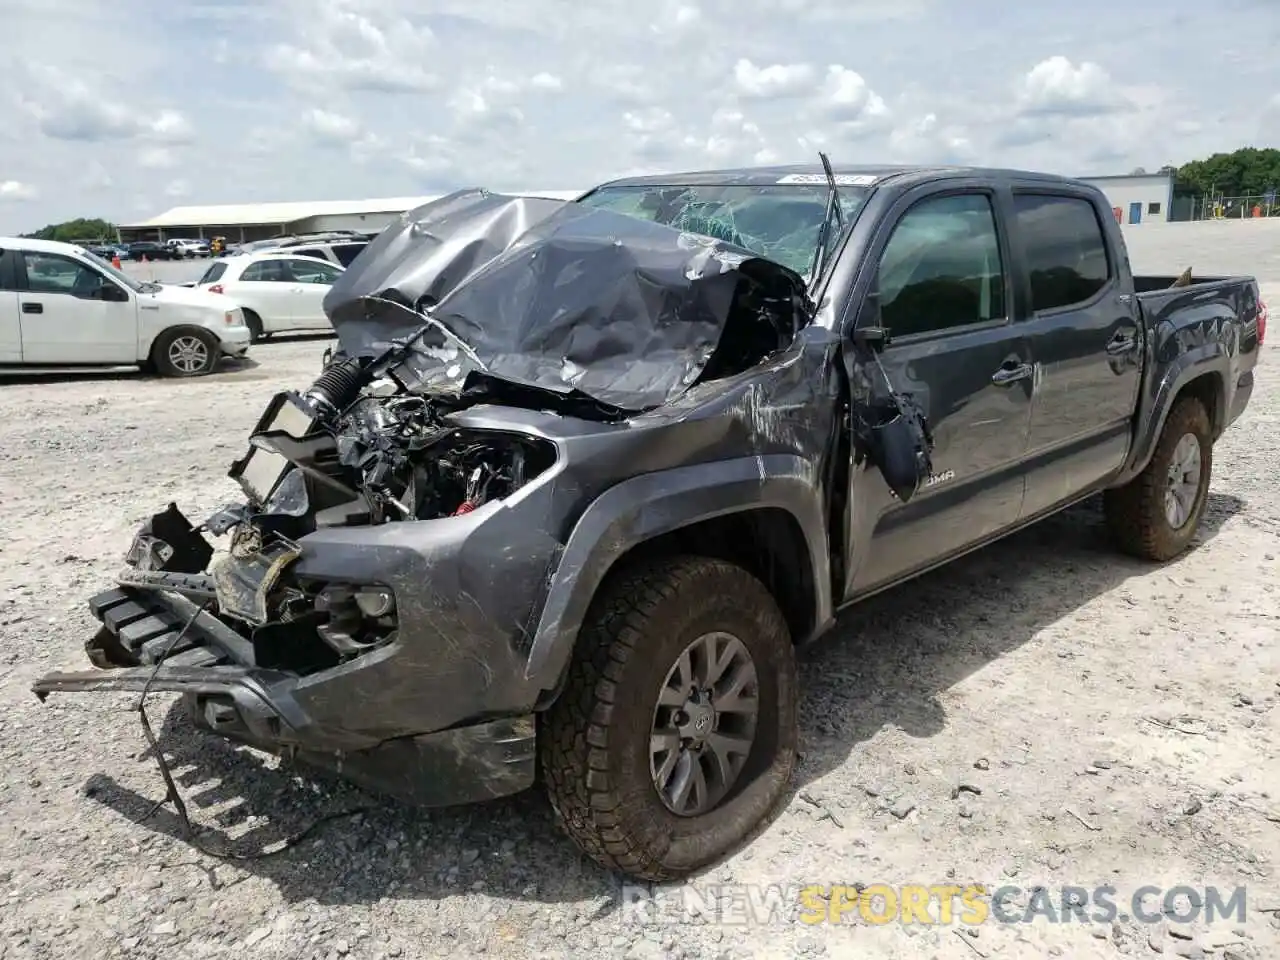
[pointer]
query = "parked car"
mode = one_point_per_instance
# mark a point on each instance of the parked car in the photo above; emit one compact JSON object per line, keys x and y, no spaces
{"x":276,"y":293}
{"x":188,"y":248}
{"x":555,"y":524}
{"x":151,"y":250}
{"x":62,"y":307}
{"x":341,"y":252}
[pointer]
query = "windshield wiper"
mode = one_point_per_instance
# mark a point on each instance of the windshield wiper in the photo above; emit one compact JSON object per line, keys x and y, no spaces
{"x":818,"y":265}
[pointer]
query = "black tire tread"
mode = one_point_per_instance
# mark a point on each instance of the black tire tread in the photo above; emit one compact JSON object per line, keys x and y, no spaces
{"x":160,"y":348}
{"x":1135,"y":512}
{"x":574,"y":741}
{"x":254,"y":323}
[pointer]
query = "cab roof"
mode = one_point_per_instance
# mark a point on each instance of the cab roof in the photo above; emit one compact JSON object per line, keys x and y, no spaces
{"x":845,"y":174}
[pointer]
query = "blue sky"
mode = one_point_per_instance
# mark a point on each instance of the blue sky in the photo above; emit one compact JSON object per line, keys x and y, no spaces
{"x":124,"y":109}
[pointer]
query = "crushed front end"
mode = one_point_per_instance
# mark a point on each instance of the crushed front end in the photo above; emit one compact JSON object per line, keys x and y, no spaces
{"x":325,"y":632}
{"x":377,"y":600}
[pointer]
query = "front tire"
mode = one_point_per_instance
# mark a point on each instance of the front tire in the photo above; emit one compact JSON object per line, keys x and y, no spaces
{"x":185,"y":352}
{"x":1155,"y":516}
{"x":656,"y":763}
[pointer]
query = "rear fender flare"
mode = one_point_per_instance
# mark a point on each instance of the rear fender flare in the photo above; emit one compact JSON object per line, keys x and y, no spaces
{"x":648,"y":506}
{"x":1195,"y":363}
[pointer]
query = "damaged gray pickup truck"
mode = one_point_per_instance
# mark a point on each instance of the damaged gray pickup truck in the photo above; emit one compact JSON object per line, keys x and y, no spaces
{"x":580,"y":476}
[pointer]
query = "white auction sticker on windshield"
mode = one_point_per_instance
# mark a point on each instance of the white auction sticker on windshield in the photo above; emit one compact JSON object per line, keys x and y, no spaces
{"x":841,"y":179}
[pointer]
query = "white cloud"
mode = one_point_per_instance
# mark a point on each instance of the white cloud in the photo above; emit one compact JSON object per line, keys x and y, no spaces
{"x":16,"y":190}
{"x":177,"y":189}
{"x":330,"y":128}
{"x":357,"y":45}
{"x":775,"y":80}
{"x":848,"y":99}
{"x":546,"y":81}
{"x":65,"y":107}
{"x":329,"y":99}
{"x":1056,"y":86}
{"x":157,"y":158}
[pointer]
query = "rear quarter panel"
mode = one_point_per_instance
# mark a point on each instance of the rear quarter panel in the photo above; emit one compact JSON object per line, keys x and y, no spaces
{"x":1207,"y":330}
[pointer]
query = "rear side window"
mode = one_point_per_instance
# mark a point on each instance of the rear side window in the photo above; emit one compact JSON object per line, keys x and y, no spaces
{"x":941,"y":267}
{"x":310,"y":252}
{"x":269,"y":271}
{"x":346,"y":252}
{"x":1065,"y":249}
{"x":215,"y":271}
{"x":308,"y":271}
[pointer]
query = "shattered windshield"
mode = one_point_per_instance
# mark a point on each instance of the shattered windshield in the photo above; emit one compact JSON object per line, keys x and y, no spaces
{"x":777,"y":221}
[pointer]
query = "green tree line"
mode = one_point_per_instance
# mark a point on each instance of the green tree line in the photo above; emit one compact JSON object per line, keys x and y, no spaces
{"x":75,"y":231}
{"x":1248,"y":172}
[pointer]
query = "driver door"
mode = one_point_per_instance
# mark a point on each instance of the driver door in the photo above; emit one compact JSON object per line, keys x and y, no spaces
{"x":943,"y":289}
{"x":63,"y":318}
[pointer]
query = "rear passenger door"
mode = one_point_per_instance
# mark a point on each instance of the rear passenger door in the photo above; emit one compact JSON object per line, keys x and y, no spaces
{"x":266,"y":287}
{"x":312,"y":279}
{"x":944,"y":292}
{"x":1085,"y":340}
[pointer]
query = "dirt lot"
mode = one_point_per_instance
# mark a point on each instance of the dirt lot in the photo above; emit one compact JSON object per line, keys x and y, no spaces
{"x":1110,"y":723}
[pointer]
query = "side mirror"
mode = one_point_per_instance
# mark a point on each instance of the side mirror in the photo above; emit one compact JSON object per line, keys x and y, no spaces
{"x":111,"y":293}
{"x":868,"y":331}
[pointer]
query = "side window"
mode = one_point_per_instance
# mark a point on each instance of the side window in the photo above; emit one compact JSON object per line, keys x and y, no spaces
{"x":941,"y":267}
{"x":312,"y":252}
{"x":1065,"y":248}
{"x":310,"y":271}
{"x":268,"y":271}
{"x":215,"y":271}
{"x":54,"y":273}
{"x":346,"y":252}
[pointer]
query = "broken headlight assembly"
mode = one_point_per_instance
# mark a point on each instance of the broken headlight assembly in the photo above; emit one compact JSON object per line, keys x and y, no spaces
{"x":356,"y":617}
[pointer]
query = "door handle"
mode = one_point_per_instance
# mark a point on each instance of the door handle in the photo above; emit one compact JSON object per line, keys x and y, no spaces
{"x":33,"y":307}
{"x":1121,"y":344}
{"x":1011,"y":372}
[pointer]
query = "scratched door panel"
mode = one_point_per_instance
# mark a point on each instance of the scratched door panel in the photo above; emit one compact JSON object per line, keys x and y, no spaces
{"x":1086,"y":341}
{"x":980,"y":432}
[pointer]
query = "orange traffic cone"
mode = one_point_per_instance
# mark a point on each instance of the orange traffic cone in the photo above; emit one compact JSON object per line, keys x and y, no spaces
{"x":115,"y":260}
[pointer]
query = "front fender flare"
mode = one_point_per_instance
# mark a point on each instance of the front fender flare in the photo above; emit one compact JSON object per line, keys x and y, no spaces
{"x":648,"y":506}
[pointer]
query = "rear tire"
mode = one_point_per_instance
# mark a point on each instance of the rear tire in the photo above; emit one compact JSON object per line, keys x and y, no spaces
{"x":1155,"y":516}
{"x":612,"y":734}
{"x":254,"y":323}
{"x":185,"y":352}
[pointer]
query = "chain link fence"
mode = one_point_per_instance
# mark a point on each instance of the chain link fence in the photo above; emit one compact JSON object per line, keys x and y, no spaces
{"x":1225,"y":208}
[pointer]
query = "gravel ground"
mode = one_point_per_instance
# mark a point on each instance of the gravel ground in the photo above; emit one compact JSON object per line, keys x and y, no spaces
{"x":1043,"y":712}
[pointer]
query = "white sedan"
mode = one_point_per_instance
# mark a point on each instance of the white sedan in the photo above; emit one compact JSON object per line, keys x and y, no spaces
{"x":275,"y":292}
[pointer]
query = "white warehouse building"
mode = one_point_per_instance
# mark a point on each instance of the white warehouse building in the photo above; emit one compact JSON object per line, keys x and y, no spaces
{"x":1137,"y":197}
{"x":241,"y":222}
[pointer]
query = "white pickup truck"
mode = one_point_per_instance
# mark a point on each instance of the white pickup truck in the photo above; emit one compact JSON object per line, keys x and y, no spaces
{"x":63,"y":308}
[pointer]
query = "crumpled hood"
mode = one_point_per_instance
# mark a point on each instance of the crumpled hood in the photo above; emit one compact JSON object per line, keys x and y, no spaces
{"x":554,"y":294}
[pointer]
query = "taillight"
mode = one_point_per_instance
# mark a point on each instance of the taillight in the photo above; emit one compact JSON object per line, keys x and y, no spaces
{"x":216,"y":288}
{"x":1262,"y":322}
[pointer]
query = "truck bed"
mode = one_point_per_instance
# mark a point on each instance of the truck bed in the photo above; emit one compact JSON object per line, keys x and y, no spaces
{"x":1150,"y":283}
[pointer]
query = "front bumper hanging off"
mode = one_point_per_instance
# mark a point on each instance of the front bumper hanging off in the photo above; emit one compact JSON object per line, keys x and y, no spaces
{"x":226,"y":693}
